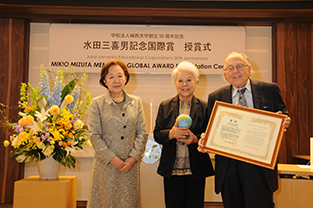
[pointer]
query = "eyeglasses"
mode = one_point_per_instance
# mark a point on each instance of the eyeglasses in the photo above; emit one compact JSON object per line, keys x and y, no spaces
{"x":239,"y":67}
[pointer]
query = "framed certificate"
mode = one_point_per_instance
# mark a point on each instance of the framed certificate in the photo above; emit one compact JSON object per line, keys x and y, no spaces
{"x":244,"y":134}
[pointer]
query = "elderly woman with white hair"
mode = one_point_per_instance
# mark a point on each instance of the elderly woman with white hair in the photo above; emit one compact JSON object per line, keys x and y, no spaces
{"x":184,"y":168}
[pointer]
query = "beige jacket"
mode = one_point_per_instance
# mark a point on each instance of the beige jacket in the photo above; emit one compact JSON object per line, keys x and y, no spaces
{"x":115,"y":132}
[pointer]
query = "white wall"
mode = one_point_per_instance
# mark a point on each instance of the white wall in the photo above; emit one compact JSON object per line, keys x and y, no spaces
{"x":152,"y":88}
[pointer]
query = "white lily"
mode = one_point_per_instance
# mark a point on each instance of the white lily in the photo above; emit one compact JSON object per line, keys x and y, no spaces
{"x":22,"y":114}
{"x":42,"y":115}
{"x":35,"y":126}
{"x":71,"y":148}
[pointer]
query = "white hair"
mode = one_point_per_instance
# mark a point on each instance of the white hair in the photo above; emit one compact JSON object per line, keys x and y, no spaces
{"x":186,"y":66}
{"x":240,"y":55}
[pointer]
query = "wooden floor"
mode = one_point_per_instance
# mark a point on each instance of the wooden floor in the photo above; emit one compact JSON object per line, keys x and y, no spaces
{"x":213,"y":205}
{"x":82,"y":204}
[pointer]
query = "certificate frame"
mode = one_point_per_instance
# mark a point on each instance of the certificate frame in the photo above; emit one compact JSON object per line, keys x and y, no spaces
{"x":245,"y":134}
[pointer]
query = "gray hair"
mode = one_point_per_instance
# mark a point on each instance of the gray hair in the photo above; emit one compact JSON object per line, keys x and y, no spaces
{"x":235,"y":55}
{"x":186,"y":66}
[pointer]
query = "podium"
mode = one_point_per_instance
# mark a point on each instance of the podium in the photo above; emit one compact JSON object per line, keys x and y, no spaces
{"x":293,"y":192}
{"x":37,"y":193}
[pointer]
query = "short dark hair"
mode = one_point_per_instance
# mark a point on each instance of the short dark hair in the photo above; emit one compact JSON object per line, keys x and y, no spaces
{"x":105,"y":71}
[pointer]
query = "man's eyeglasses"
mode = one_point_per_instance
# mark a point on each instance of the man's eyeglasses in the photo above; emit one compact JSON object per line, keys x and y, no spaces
{"x":239,"y":67}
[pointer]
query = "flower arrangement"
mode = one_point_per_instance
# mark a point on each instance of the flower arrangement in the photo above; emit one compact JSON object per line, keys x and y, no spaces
{"x":50,"y":123}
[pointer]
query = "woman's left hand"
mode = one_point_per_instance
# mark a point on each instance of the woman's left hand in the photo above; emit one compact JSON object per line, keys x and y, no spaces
{"x":190,"y":139}
{"x":129,"y":163}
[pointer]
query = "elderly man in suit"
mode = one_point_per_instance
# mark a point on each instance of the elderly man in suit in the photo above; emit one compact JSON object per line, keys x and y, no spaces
{"x":241,"y":184}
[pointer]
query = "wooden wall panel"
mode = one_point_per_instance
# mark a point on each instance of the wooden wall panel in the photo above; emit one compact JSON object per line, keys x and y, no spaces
{"x":279,"y":70}
{"x":292,"y":87}
{"x":13,"y":41}
{"x":303,"y":86}
{"x":293,"y":73}
{"x":4,"y":33}
{"x":310,"y":75}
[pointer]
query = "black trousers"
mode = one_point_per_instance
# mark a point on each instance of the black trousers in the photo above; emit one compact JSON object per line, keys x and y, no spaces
{"x":245,"y":186}
{"x":184,"y":192}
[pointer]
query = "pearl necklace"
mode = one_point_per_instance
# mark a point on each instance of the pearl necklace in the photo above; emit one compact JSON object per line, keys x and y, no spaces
{"x":118,"y":101}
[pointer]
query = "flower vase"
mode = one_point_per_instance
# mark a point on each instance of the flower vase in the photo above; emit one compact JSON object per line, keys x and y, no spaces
{"x":48,"y":169}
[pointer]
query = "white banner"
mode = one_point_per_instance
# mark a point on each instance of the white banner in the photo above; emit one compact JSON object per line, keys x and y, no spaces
{"x":143,"y":48}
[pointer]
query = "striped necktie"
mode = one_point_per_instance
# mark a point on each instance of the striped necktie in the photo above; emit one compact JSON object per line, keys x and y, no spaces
{"x":242,"y":99}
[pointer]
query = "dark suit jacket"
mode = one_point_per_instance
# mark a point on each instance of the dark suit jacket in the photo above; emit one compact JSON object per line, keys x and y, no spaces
{"x":266,"y":96}
{"x":200,"y":163}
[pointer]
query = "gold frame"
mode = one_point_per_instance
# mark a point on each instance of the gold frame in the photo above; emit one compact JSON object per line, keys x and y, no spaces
{"x":228,"y":132}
